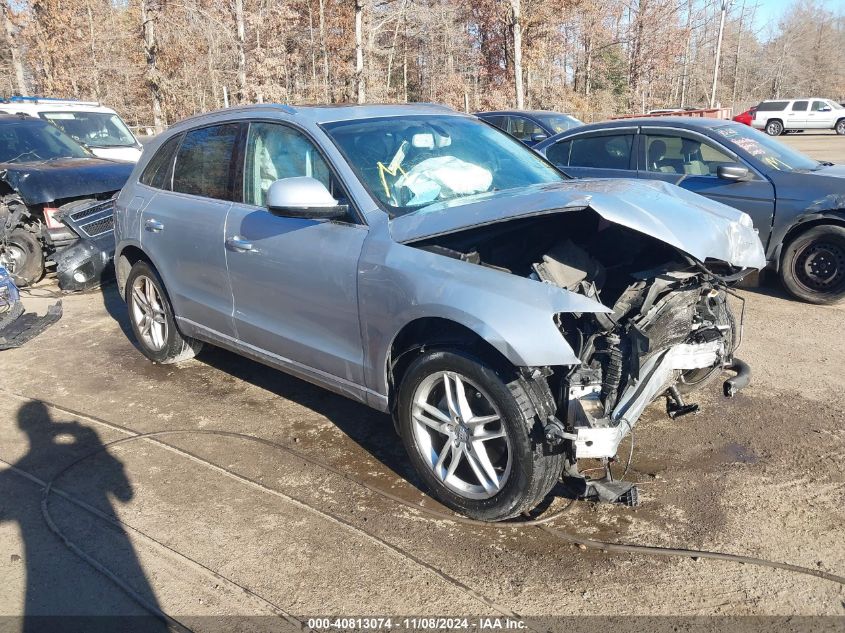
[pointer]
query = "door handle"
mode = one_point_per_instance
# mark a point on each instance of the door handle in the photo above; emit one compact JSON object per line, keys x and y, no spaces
{"x":154,"y":226}
{"x":237,"y":243}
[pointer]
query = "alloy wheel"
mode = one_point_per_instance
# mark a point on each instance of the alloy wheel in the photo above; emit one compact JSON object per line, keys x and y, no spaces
{"x":12,"y":258}
{"x":148,"y":313}
{"x":460,"y":435}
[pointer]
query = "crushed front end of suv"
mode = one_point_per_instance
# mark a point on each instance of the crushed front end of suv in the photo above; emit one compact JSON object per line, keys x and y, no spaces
{"x":513,"y":322}
{"x":55,"y":204}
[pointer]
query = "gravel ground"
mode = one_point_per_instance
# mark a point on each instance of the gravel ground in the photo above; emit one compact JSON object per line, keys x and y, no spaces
{"x":761,"y":474}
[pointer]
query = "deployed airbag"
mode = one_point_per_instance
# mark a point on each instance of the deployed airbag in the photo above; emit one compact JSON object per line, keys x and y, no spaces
{"x":446,"y":174}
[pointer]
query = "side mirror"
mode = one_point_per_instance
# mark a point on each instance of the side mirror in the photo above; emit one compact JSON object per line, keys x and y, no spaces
{"x":734,"y":172}
{"x":303,"y":197}
{"x":826,"y":108}
{"x":539,"y":136}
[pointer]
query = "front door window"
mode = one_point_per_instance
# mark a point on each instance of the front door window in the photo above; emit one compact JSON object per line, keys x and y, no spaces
{"x":274,"y":152}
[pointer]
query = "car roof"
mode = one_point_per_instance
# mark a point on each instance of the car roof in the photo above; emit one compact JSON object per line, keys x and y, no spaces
{"x":523,"y":112}
{"x":687,"y":122}
{"x":327,"y":113}
{"x":796,"y":99}
{"x":34,"y":107}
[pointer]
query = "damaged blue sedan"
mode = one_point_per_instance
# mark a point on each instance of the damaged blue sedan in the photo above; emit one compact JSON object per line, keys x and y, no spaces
{"x":513,"y":322}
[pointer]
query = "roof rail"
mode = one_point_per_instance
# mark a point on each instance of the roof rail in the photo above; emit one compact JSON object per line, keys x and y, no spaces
{"x":53,"y":100}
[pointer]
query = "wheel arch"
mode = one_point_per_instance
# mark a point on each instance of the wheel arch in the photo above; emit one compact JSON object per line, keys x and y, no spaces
{"x":125,"y":259}
{"x":433,"y":332}
{"x":802,"y":225}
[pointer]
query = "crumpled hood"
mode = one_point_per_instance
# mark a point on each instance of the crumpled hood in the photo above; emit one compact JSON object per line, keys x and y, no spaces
{"x":694,"y":224}
{"x":42,"y":182}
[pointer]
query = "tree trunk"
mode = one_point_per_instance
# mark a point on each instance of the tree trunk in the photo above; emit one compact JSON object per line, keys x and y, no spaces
{"x":722,"y":13}
{"x":738,"y":50}
{"x":324,"y":50}
{"x":93,"y":43}
{"x":239,"y":44}
{"x":17,"y":64}
{"x":685,"y":75}
{"x":359,"y":52}
{"x":516,"y":30}
{"x":149,"y":14}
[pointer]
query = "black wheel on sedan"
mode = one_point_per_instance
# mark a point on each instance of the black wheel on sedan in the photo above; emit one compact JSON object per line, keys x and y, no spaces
{"x":813,"y":265}
{"x":151,"y":316}
{"x":774,"y":128}
{"x":474,"y":438}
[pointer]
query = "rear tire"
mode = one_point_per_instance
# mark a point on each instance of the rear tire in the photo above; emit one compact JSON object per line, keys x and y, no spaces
{"x":495,"y":478}
{"x":24,"y":257}
{"x":151,"y":317}
{"x":774,"y":128}
{"x":813,"y":264}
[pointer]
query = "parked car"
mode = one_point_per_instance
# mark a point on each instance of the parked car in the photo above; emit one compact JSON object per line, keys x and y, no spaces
{"x":797,"y":203}
{"x":92,"y":125}
{"x":813,"y":113}
{"x":746,"y":117}
{"x":52,"y":192}
{"x":424,"y":263}
{"x":530,"y":126}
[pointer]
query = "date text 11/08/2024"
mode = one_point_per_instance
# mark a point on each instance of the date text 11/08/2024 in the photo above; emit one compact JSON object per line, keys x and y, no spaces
{"x":411,"y":623}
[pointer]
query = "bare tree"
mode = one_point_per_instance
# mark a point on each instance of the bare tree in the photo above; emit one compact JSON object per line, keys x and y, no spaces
{"x":14,"y":50}
{"x":150,"y":10}
{"x":360,"y":81}
{"x":516,"y":34}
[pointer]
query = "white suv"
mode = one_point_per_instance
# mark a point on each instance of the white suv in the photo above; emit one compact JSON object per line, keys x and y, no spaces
{"x":779,"y":116}
{"x":96,"y":127}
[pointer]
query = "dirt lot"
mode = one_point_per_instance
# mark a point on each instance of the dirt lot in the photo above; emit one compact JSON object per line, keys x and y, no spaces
{"x":201,"y":524}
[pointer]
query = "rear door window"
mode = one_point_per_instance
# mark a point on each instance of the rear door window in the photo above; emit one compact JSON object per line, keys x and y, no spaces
{"x":524,"y":129}
{"x":499,"y":121}
{"x":558,"y":154}
{"x":611,"y":151}
{"x":204,"y":162}
{"x":772,"y":106}
{"x":799,"y":106}
{"x":159,"y":170}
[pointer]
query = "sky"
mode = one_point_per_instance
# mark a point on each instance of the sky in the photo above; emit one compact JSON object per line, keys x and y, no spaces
{"x":769,"y":12}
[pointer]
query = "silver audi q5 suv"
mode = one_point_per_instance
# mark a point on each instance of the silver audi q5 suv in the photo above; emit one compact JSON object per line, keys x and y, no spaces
{"x":513,"y":321}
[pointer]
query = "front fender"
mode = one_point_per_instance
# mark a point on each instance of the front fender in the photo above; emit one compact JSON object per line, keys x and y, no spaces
{"x":782,"y":234}
{"x":400,"y":284}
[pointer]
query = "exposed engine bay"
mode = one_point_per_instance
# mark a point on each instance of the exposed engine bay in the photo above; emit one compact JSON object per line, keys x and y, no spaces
{"x":670,"y":331}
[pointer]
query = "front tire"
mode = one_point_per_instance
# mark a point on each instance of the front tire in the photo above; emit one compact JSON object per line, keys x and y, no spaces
{"x":475,"y":440}
{"x":774,"y":128}
{"x":151,"y":316}
{"x":813,"y":264}
{"x":24,"y":257}
{"x":840,"y":127}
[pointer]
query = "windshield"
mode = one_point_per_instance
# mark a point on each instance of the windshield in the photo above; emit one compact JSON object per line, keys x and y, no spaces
{"x":95,"y":129}
{"x":410,"y":162}
{"x":558,"y":122}
{"x":33,"y":140}
{"x":767,"y":150}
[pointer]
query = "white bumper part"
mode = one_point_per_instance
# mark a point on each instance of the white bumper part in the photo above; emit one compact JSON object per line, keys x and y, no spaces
{"x":600,"y":437}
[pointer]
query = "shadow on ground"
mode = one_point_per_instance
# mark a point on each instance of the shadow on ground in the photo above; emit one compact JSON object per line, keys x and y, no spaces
{"x":57,"y":582}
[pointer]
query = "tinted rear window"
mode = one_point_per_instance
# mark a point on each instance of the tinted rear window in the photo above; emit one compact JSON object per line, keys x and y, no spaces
{"x":158,"y":170}
{"x":601,"y":152}
{"x":204,"y":162}
{"x":772,"y":106}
